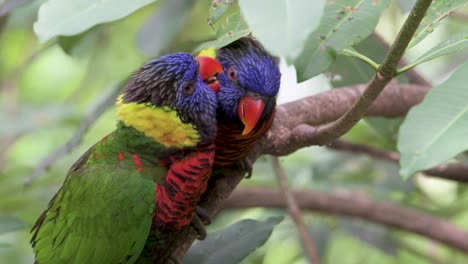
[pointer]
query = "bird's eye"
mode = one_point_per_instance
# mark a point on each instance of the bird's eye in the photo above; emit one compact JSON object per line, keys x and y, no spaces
{"x":188,"y":89}
{"x":232,"y":74}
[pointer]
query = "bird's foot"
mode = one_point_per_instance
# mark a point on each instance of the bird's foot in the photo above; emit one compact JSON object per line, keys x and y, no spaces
{"x":197,"y":224}
{"x":174,"y":259}
{"x":203,"y":214}
{"x":246,"y":165}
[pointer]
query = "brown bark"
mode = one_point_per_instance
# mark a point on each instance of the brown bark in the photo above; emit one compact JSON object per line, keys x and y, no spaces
{"x":394,"y":101}
{"x":356,"y":205}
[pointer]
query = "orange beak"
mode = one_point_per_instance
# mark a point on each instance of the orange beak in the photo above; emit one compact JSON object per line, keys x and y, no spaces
{"x":209,"y":69}
{"x":250,"y":109}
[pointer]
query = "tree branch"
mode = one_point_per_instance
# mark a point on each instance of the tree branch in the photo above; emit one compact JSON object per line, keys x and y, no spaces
{"x":327,"y":133}
{"x":294,"y":122}
{"x":295,"y":212}
{"x":356,"y":205}
{"x":451,"y":171}
{"x":413,"y":75}
{"x":395,"y":101}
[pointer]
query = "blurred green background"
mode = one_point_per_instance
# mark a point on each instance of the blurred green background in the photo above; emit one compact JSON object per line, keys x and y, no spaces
{"x":46,"y":90}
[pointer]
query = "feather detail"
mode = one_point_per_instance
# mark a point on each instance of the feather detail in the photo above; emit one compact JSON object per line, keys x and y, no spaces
{"x":231,"y":145}
{"x":161,"y":124}
{"x":185,"y":182}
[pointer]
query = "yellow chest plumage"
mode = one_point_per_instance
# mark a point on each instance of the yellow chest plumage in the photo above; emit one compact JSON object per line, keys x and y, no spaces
{"x":161,"y":124}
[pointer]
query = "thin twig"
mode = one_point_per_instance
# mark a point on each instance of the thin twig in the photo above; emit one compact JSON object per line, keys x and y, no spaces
{"x":413,"y":75}
{"x":295,"y":212}
{"x":356,"y":205}
{"x":364,"y":149}
{"x":5,"y":144}
{"x":450,"y":171}
{"x":96,"y":111}
{"x":327,"y":133}
{"x":459,"y":15}
{"x":362,"y":57}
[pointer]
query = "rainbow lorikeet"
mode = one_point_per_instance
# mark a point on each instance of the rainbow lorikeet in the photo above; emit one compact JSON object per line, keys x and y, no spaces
{"x":247,"y":89}
{"x":160,"y":242}
{"x":144,"y":177}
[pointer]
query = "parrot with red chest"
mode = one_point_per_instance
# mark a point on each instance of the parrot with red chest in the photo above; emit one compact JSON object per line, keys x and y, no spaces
{"x":247,"y":87}
{"x":247,"y":84}
{"x":143,"y":178}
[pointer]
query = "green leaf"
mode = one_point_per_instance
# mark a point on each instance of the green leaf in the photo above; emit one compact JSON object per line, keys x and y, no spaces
{"x":233,"y":29}
{"x":344,"y":23}
{"x":10,"y":223}
{"x":284,"y":25}
{"x":454,"y":44}
{"x":438,"y":11}
{"x":437,"y":129}
{"x":163,"y":26}
{"x":218,"y":8}
{"x":69,"y":17}
{"x":233,"y":244}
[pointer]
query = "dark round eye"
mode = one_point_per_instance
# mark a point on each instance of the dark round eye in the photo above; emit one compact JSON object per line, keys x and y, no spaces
{"x":188,"y":89}
{"x":232,"y":74}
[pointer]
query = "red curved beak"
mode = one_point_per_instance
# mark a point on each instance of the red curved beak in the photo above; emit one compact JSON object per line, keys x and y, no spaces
{"x":250,"y":109}
{"x":209,"y":69}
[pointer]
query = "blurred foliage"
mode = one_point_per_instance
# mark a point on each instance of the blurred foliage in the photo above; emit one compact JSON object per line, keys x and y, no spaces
{"x":46,"y":89}
{"x":233,"y":243}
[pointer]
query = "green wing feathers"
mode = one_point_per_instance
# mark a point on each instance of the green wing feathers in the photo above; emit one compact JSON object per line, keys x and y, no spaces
{"x":102,"y":214}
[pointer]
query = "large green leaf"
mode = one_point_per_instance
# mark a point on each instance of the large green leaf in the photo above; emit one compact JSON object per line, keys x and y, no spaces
{"x":218,"y":8}
{"x":70,"y":17}
{"x":344,"y":23}
{"x":232,"y":244}
{"x":438,"y":10}
{"x":454,"y":44}
{"x":231,"y":30}
{"x":437,"y":129}
{"x":284,"y":25}
{"x":10,"y":223}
